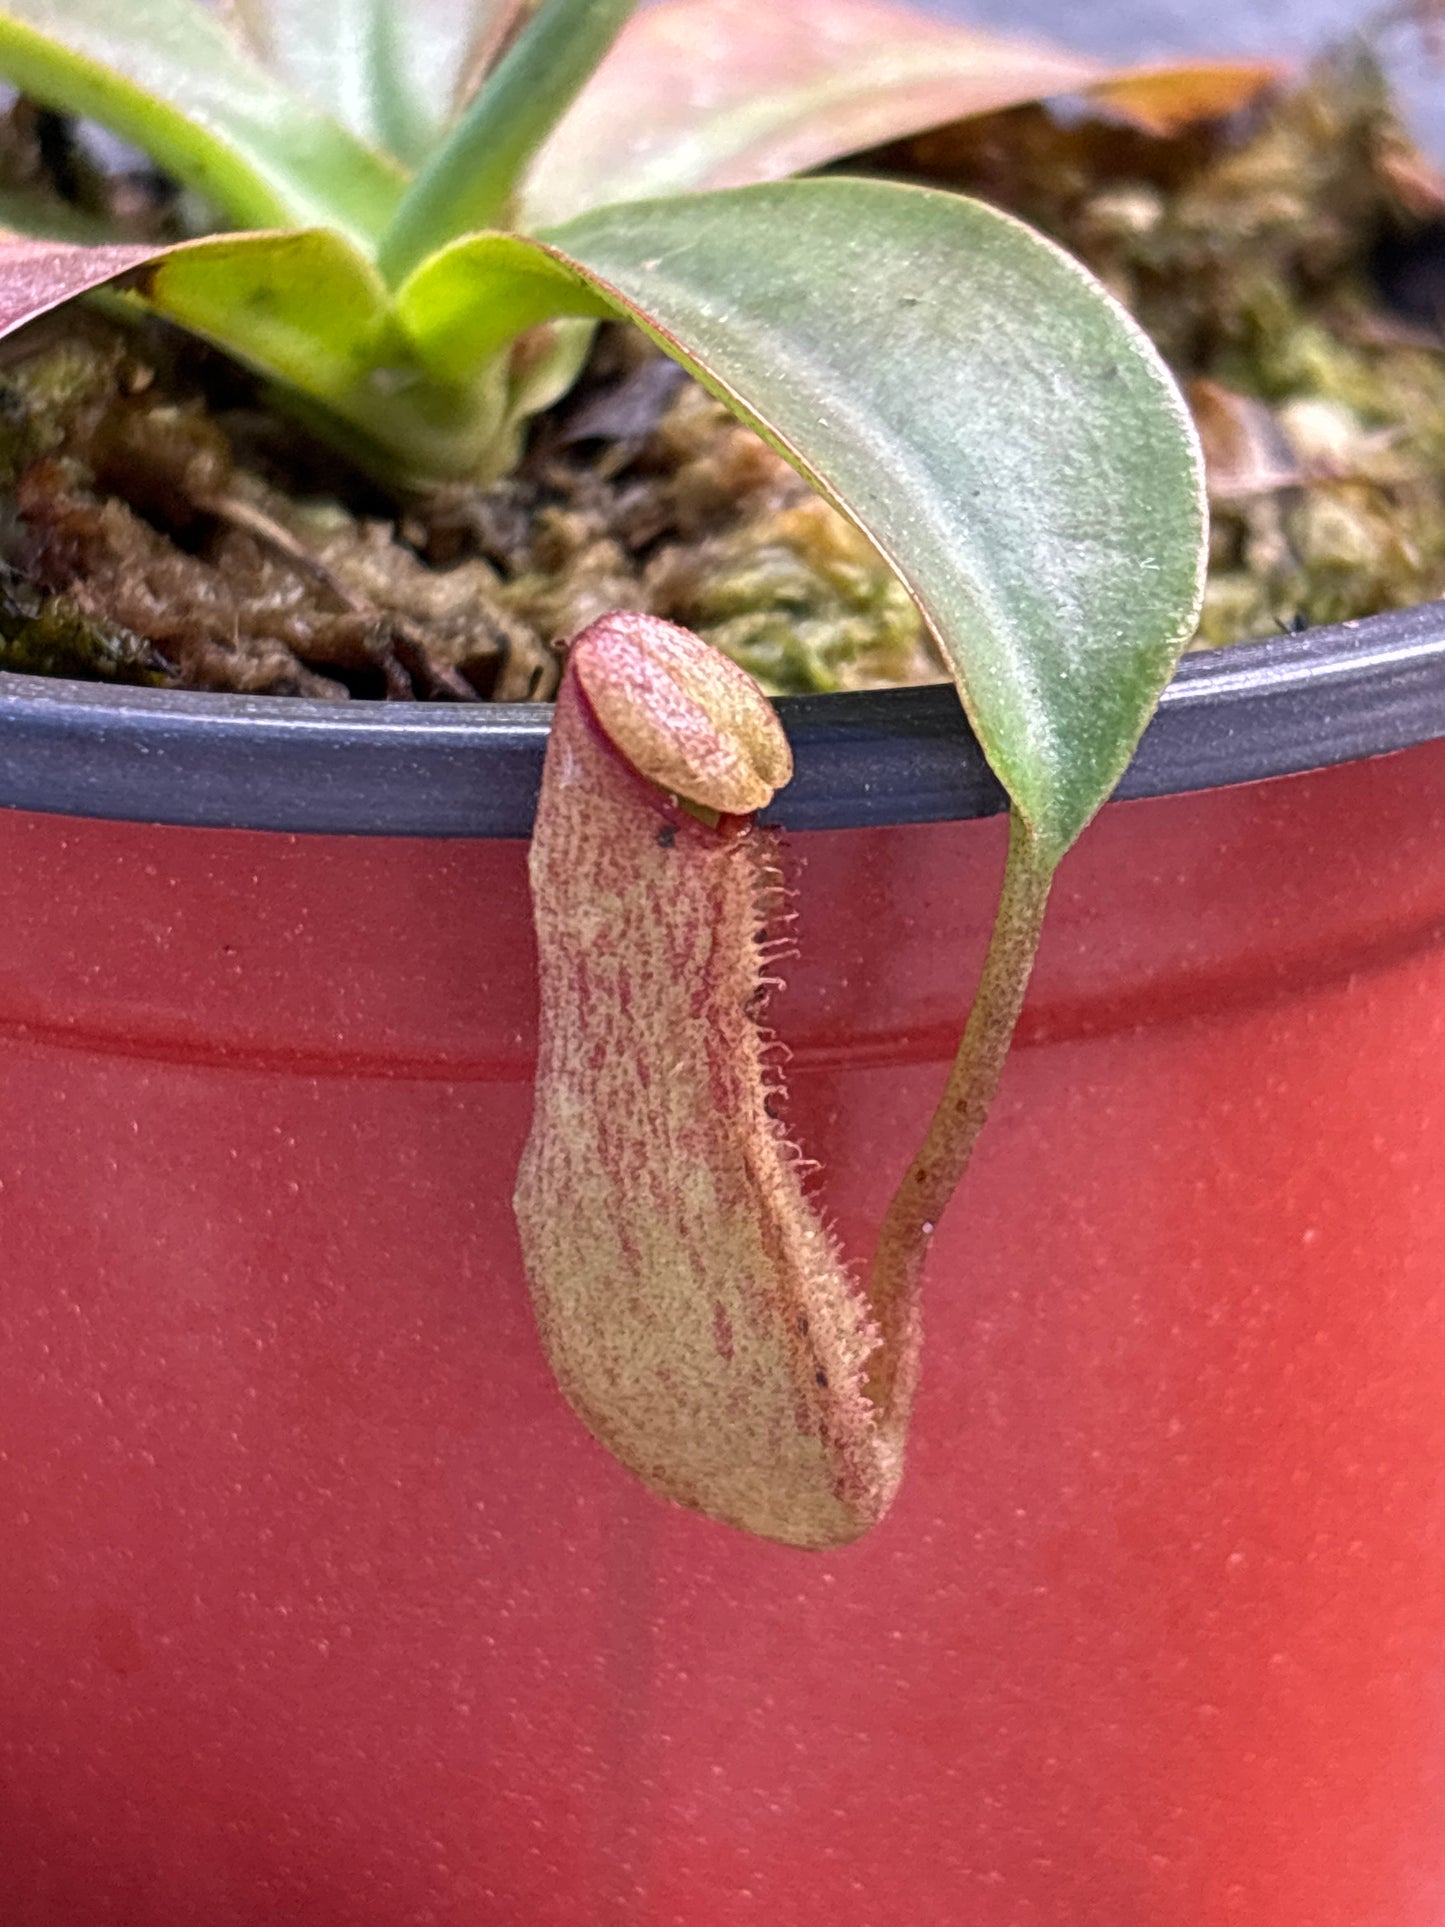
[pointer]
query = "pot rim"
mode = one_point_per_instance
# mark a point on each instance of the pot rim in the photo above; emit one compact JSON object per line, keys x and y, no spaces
{"x":1259,"y":709}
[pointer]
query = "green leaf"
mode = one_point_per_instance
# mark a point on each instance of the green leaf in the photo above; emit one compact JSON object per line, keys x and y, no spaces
{"x":979,"y":406}
{"x":472,"y":180}
{"x":470,"y":301}
{"x":493,"y":305}
{"x":305,"y":307}
{"x":312,"y":313}
{"x":392,"y":71}
{"x":167,"y":75}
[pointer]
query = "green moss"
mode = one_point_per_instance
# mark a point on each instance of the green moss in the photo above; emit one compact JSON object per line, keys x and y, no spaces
{"x":1247,"y":254}
{"x":48,"y":636}
{"x":52,"y":396}
{"x":806,"y":605}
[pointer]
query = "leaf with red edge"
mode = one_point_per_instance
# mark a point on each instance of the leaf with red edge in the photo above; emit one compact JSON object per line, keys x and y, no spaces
{"x":1161,"y":100}
{"x":721,"y":93}
{"x":303,"y":308}
{"x":36,"y":276}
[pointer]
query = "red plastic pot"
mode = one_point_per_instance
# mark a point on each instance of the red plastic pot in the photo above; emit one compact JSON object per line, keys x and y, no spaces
{"x":317,"y":1605}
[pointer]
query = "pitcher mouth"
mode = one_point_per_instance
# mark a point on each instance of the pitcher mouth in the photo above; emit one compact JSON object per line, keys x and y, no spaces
{"x":1236,"y":715}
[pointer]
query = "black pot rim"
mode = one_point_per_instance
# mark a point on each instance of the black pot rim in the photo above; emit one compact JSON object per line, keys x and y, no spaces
{"x":1260,"y":709}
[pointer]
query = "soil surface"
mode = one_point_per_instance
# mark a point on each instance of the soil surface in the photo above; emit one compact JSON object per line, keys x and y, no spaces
{"x":162,"y":523}
{"x":1291,"y":268}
